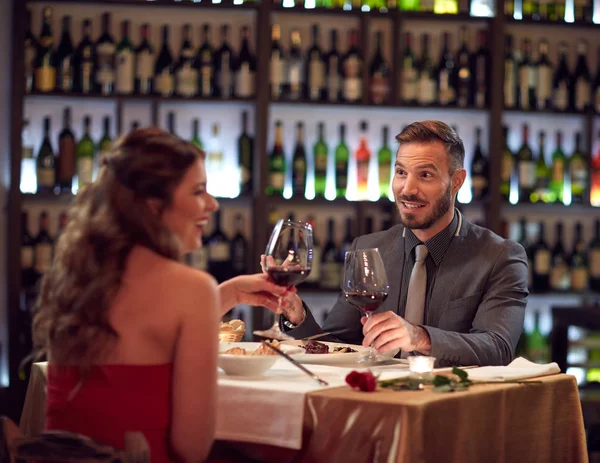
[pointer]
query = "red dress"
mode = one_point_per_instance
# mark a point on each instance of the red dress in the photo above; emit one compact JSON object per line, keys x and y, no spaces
{"x":112,"y":400}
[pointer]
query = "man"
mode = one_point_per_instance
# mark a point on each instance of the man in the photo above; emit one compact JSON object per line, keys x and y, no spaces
{"x":463,"y":302}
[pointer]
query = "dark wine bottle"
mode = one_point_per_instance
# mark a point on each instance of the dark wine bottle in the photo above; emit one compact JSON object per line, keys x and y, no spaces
{"x":482,"y":71}
{"x":331,"y":267}
{"x":245,"y":67}
{"x":351,"y":67}
{"x":43,"y":245}
{"x":579,"y":261}
{"x":464,"y":71}
{"x":30,"y":51}
{"x":511,"y":79}
{"x":28,"y":274}
{"x":125,"y":72}
{"x":295,"y":68}
{"x":224,"y":66}
{"x":144,"y":59}
{"x":64,"y":58}
{"x":245,"y":156}
{"x":45,"y":61}
{"x":105,"y":58}
{"x":332,"y":70}
{"x":164,"y":77}
{"x":379,"y":74}
{"x":299,"y":163}
{"x":560,"y":275}
{"x":446,"y":83}
{"x":544,"y":77}
{"x":239,"y":248}
{"x":277,"y":64}
{"x":219,"y":252}
{"x":46,"y":162}
{"x":410,"y":73}
{"x":507,"y":166}
{"x":205,"y":61}
{"x":541,"y":262}
{"x":85,"y":57}
{"x":277,"y":164}
{"x":582,"y":92}
{"x":480,"y":170}
{"x":315,"y":68}
{"x":594,"y":258}
{"x":427,"y":85}
{"x":66,"y":154}
{"x":562,"y":81}
{"x":524,"y":241}
{"x":186,"y":72}
{"x":527,"y":81}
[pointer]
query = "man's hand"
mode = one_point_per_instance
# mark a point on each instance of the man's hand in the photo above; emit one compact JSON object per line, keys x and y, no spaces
{"x":387,"y":331}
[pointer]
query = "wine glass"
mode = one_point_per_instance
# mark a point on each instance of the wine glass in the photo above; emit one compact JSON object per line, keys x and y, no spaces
{"x":365,"y":285}
{"x":288,"y":261}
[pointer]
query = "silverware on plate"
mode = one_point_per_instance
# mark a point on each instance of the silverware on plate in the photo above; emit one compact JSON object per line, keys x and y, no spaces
{"x":295,"y":363}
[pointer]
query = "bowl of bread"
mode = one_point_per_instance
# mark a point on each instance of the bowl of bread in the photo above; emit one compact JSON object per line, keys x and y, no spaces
{"x":250,"y":358}
{"x":232,"y":331}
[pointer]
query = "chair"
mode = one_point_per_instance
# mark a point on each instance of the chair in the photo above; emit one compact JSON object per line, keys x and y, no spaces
{"x":67,"y":447}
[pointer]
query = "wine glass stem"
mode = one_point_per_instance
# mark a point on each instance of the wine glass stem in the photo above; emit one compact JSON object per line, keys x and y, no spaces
{"x":372,"y":352}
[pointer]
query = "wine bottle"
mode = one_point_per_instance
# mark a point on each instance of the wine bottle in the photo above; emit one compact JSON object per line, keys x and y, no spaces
{"x":315,"y":68}
{"x":342,"y":158}
{"x":544,"y":77}
{"x":427,"y":88}
{"x":62,"y":225}
{"x":144,"y":63}
{"x":541,"y":262}
{"x":85,"y":56}
{"x":295,"y":68}
{"x":524,"y":241}
{"x":464,"y":71}
{"x":579,"y":261}
{"x":510,"y":74}
{"x":410,"y":76}
{"x":537,"y":343}
{"x":482,"y":71}
{"x":219,"y":252}
{"x":578,"y":168}
{"x":562,"y":81}
{"x":30,"y":51}
{"x":215,"y":162}
{"x":332,"y":70}
{"x":277,"y":64}
{"x":28,"y":273}
{"x":198,"y":258}
{"x":245,"y":68}
{"x":507,"y":166}
{"x":245,"y":156}
{"x":299,"y":164}
{"x":224,"y":66}
{"x":582,"y":93}
{"x":205,"y":59}
{"x":543,"y":173}
{"x":379,"y":74}
{"x":596,"y":86}
{"x":45,"y":61}
{"x":186,"y":72}
{"x":331,"y":267}
{"x":314,"y":277}
{"x":277,"y":163}
{"x":384,"y":160}
{"x":43,"y":245}
{"x":346,"y":245}
{"x":85,"y":155}
{"x":595,"y":179}
{"x":557,"y":183}
{"x":105,"y":58}
{"x":446,"y":84}
{"x":560,"y":275}
{"x":239,"y":248}
{"x":594,"y":257}
{"x":28,"y":183}
{"x":352,"y":70}
{"x":104,"y":146}
{"x":526,"y":168}
{"x":171,"y":123}
{"x":164,"y":72}
{"x":125,"y":73}
{"x":46,"y":162}
{"x":65,"y":163}
{"x":480,"y":170}
{"x":363,"y":160}
{"x":64,"y":58}
{"x":527,"y":81}
{"x":321,"y":159}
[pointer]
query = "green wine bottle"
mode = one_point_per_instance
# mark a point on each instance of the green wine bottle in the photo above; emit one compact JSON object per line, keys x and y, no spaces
{"x":277,"y":163}
{"x":557,"y":183}
{"x":537,"y":343}
{"x":196,"y":134}
{"x":384,"y":159}
{"x":105,"y":145}
{"x":46,"y":162}
{"x":578,"y":166}
{"x":542,"y":174}
{"x":342,"y":156}
{"x":85,"y":155}
{"x":320,"y":152}
{"x":507,"y":166}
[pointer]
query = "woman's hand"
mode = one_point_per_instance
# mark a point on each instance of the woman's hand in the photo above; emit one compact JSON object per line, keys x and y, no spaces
{"x":254,"y":289}
{"x":290,"y":304}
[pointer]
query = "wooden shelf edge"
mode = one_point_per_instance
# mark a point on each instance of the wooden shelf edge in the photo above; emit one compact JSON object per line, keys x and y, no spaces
{"x":226,"y":5}
{"x":140,"y":98}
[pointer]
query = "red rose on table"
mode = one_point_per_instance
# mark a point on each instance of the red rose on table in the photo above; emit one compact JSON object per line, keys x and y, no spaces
{"x":365,"y":382}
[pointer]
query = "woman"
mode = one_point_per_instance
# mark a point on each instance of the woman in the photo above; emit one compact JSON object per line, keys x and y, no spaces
{"x":131,"y":333}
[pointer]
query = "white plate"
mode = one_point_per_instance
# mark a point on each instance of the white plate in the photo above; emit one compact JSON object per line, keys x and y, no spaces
{"x":347,"y":358}
{"x":249,"y":365}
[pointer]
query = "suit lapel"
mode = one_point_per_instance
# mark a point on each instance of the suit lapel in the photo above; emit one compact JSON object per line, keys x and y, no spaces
{"x":448,"y":273}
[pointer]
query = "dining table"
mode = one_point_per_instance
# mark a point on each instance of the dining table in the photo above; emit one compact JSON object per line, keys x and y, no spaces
{"x":284,"y":415}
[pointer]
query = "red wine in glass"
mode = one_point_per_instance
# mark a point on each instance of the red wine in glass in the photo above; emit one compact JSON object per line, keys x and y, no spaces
{"x":366,"y":302}
{"x":288,"y":276}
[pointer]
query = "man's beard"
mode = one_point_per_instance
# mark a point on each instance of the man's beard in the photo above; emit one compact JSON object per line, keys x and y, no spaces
{"x":441,"y":207}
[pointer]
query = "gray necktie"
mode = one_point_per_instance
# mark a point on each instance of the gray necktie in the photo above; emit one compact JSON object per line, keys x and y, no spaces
{"x":415,"y":301}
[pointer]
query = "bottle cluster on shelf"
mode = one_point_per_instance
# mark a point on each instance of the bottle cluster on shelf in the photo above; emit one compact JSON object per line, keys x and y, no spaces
{"x":561,"y":267}
{"x":107,"y":67}
{"x":540,"y":84}
{"x":559,"y":11}
{"x":69,"y":164}
{"x":554,"y":179}
{"x":350,"y":172}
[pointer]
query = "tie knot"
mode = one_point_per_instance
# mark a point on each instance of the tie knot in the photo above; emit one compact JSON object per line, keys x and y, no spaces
{"x":421,"y":252}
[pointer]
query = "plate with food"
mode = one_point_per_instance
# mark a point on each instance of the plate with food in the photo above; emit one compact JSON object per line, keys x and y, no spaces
{"x":328,"y":353}
{"x":251,"y":358}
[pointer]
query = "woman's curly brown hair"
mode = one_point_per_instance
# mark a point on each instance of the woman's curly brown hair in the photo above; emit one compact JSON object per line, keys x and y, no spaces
{"x":108,"y":218}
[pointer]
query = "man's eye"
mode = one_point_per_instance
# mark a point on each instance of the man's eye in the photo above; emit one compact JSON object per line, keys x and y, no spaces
{"x":427,"y":175}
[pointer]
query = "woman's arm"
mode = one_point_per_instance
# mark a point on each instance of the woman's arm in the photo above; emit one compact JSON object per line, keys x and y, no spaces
{"x":255,"y":290}
{"x":195,"y":369}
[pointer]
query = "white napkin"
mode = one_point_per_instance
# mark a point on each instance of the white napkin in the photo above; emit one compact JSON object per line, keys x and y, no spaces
{"x":519,"y":368}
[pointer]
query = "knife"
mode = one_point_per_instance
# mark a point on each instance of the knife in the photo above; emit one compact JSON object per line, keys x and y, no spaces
{"x":295,"y":363}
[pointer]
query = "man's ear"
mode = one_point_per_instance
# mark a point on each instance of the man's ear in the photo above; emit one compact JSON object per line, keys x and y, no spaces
{"x":154,"y":205}
{"x":458,"y":179}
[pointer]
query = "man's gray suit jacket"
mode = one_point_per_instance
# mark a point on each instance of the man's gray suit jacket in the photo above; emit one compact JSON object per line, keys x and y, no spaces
{"x":475,"y":314}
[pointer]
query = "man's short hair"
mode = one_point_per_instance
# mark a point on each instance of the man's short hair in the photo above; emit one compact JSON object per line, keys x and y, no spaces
{"x":432,"y":131}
